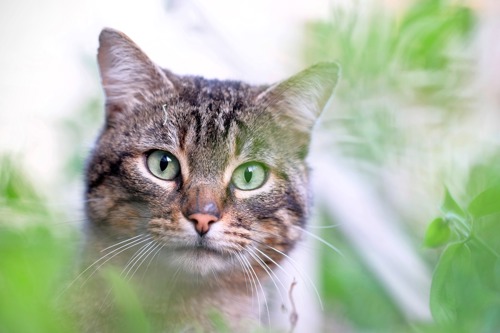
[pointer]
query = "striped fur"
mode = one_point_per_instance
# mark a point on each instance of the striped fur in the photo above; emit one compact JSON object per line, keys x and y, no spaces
{"x":212,"y":127}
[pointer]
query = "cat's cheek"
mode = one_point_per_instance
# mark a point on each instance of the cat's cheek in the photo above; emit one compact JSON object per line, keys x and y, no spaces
{"x":225,"y":239}
{"x":171,"y":232}
{"x":99,"y":204}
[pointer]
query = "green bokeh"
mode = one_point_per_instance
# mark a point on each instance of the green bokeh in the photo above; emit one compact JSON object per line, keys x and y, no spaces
{"x":393,"y":64}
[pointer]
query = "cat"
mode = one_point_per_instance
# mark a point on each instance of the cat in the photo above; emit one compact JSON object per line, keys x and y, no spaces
{"x":199,"y":184}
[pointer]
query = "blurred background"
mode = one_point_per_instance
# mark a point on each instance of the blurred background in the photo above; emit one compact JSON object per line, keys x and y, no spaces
{"x":405,"y":160}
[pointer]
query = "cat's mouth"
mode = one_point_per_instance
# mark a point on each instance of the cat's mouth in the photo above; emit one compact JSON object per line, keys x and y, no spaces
{"x":200,"y":258}
{"x":201,"y":248}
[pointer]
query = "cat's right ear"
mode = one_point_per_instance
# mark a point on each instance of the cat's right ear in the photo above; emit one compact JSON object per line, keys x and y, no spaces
{"x":128,"y":75}
{"x":300,"y":99}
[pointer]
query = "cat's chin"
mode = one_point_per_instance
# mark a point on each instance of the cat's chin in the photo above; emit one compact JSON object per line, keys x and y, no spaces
{"x":199,"y":261}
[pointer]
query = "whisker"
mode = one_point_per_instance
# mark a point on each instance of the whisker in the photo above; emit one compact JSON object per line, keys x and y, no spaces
{"x":245,"y":271}
{"x":104,"y":300}
{"x":278,"y":236}
{"x":288,"y":274}
{"x":295,"y":265}
{"x":266,"y":232}
{"x":121,"y":249}
{"x":68,"y":222}
{"x":333,"y":226}
{"x":126,"y":240}
{"x":320,"y":239}
{"x":269,"y":272}
{"x":128,"y":243}
{"x":251,"y":274}
{"x":273,"y":234}
{"x":135,"y":258}
{"x":141,"y":250}
{"x":159,"y":246}
{"x":261,"y":288}
{"x":274,"y":262}
{"x":280,"y":267}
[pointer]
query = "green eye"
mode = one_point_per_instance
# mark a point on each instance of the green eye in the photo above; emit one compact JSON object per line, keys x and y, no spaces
{"x":163,"y":165}
{"x":249,"y":176}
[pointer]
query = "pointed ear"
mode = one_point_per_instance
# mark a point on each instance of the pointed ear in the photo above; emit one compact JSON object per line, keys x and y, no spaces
{"x":301,"y":98}
{"x":127,"y":74}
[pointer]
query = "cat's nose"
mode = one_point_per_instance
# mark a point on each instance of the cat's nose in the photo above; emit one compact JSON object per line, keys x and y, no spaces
{"x":202,"y":222}
{"x":202,"y":207}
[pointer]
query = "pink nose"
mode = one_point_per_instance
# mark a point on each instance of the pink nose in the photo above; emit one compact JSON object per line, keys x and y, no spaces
{"x":202,"y":222}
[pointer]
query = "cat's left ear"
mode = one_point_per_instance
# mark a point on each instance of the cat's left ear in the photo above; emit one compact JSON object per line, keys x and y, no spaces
{"x":302,"y":98}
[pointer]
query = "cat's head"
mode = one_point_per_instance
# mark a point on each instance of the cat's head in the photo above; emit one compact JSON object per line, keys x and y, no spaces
{"x":212,"y":170}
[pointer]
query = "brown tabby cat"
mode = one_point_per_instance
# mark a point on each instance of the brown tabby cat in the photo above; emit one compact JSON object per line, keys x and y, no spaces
{"x":200,"y":185}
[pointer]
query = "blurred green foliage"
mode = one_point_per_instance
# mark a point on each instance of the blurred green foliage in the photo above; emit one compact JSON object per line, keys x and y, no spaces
{"x":465,"y":293}
{"x":33,"y":264}
{"x":41,"y":290}
{"x":34,"y":257}
{"x":353,"y":294}
{"x":393,"y":64}
{"x":20,"y":202}
{"x":396,"y":67}
{"x":405,"y":80}
{"x":38,"y":261}
{"x":131,"y":314}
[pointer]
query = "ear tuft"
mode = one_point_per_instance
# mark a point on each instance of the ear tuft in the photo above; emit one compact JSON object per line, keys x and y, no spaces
{"x":303,"y":97}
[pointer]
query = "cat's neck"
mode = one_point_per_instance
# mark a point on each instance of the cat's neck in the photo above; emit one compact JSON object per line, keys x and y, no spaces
{"x":235,"y":304}
{"x":178,"y":297}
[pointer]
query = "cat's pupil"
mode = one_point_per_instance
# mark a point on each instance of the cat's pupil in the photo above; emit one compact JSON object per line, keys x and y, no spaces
{"x":248,"y":174}
{"x":164,"y":162}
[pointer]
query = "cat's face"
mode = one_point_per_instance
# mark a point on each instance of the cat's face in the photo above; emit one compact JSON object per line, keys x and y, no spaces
{"x":212,"y":170}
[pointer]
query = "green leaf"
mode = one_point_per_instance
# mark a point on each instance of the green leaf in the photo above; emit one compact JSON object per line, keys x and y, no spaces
{"x":438,"y":233}
{"x":486,"y":202}
{"x":451,"y":207}
{"x":442,"y":301}
{"x":460,"y":290}
{"x":455,"y":216}
{"x":487,"y":265}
